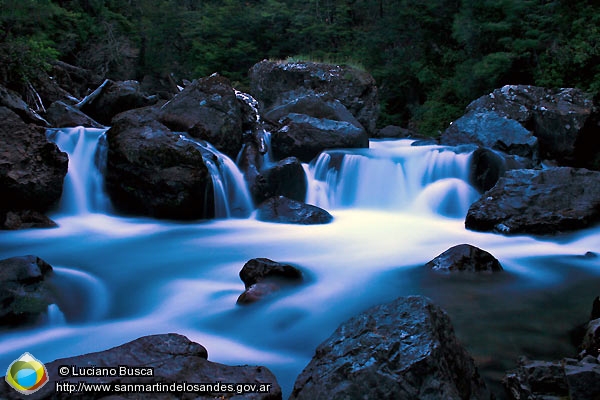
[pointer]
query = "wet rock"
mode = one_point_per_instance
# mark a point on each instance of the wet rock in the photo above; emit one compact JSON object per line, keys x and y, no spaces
{"x":25,"y":219}
{"x":61,"y":115}
{"x":465,"y":257}
{"x":152,"y":171}
{"x":259,"y":269}
{"x":24,"y":292}
{"x":538,"y":202}
{"x":257,"y":291}
{"x":487,"y":166}
{"x":568,"y":378}
{"x":305,"y":137}
{"x":275,"y":83}
{"x":32,"y":169}
{"x":112,"y":98}
{"x":492,"y":130}
{"x":208,"y":109}
{"x":174,"y":358}
{"x":286,"y":178}
{"x":286,"y":211}
{"x":405,"y":349}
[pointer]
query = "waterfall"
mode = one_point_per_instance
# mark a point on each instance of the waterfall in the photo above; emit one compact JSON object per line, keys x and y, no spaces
{"x":83,"y":191}
{"x":392,"y":175}
{"x":231,"y":195}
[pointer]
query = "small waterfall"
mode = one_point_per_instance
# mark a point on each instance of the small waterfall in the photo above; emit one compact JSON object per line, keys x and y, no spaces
{"x":83,"y":191}
{"x":232,"y":198}
{"x":262,"y":136}
{"x":55,"y":316}
{"x":392,"y":175}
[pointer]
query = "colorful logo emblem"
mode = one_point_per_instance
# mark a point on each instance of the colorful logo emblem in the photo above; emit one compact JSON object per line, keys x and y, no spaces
{"x":27,"y":374}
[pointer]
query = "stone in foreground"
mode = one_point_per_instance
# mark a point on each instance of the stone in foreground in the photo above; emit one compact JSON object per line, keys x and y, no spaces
{"x":282,"y":210}
{"x":405,"y":349}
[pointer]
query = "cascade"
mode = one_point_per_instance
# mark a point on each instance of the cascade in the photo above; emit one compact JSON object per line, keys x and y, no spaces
{"x":392,"y":175}
{"x":83,"y":191}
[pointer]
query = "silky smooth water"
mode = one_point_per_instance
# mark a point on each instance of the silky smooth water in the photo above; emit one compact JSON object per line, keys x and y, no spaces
{"x":121,"y":278}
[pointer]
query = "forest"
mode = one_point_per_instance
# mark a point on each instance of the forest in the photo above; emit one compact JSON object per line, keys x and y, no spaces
{"x":430,"y":59}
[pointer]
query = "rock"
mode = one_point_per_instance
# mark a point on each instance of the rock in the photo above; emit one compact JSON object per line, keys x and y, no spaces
{"x":557,"y":117}
{"x":487,"y":166}
{"x":465,"y":257}
{"x":208,"y":109}
{"x":25,"y":219}
{"x":61,"y":115}
{"x":32,"y":169}
{"x":24,"y":292}
{"x":286,"y":211}
{"x":595,"y":314}
{"x":174,"y":359}
{"x":259,"y":269}
{"x":490,"y":129}
{"x":317,"y":106}
{"x":112,"y":98}
{"x":568,"y":378}
{"x":151,"y":171}
{"x":405,"y":349}
{"x":538,"y":202}
{"x":397,"y":132}
{"x":305,"y":137}
{"x":256,"y":292}
{"x":591,"y":338}
{"x":15,"y":103}
{"x":285,"y":178}
{"x":278,"y":82}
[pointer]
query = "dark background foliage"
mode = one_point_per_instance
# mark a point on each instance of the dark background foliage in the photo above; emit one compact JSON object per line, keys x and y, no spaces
{"x":429,"y":58}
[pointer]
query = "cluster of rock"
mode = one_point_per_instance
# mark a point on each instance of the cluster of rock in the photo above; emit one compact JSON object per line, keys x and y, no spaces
{"x":551,"y":139}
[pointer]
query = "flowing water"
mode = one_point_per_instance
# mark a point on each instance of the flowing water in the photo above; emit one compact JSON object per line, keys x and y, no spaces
{"x":395,"y":207}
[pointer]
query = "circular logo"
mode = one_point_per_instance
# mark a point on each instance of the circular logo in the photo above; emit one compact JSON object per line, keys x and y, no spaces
{"x":26,"y":374}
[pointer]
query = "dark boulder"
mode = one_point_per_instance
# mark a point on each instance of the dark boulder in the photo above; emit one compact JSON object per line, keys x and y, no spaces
{"x":286,"y":211}
{"x":305,"y":137}
{"x":174,"y":360}
{"x":208,"y":109}
{"x":465,"y":257}
{"x":405,"y":349}
{"x":152,"y":171}
{"x":257,"y":291}
{"x":24,"y":291}
{"x":538,"y":202}
{"x":275,"y":83}
{"x":557,"y":117}
{"x":492,"y":130}
{"x":24,"y":219}
{"x":397,"y":132}
{"x":62,"y":115}
{"x":112,"y":98}
{"x":487,"y":166}
{"x":259,"y":269}
{"x":317,"y":106}
{"x":32,"y":169}
{"x":567,"y":378}
{"x":285,"y":178}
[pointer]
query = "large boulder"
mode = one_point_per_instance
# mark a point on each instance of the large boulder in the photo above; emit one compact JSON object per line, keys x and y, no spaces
{"x":32,"y":169}
{"x":405,"y":349}
{"x":557,"y":118}
{"x":24,"y":290}
{"x":114,"y":97}
{"x":538,"y":202}
{"x":492,"y":130}
{"x":285,"y":178}
{"x":564,"y":379}
{"x":304,"y":137}
{"x":275,"y":83}
{"x":152,"y":171}
{"x":282,"y":210}
{"x":208,"y":109}
{"x":465,"y":257}
{"x":173,"y":359}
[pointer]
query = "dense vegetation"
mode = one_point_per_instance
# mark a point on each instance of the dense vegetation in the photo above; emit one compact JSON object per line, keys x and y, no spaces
{"x":430,"y":58}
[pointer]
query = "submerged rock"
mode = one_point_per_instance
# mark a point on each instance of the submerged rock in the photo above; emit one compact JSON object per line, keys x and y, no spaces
{"x":274,"y":83}
{"x":305,"y":137}
{"x":24,"y":292}
{"x":405,"y":349}
{"x":286,"y":211}
{"x":538,"y":202}
{"x":152,"y":171}
{"x":33,"y":169}
{"x":263,"y":277}
{"x":174,"y":360}
{"x":465,"y":257}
